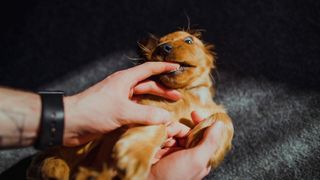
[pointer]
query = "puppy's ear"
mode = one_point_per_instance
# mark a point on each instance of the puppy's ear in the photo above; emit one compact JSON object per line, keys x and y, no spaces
{"x":147,"y":45}
{"x":211,"y":55}
{"x":210,"y":47}
{"x":196,"y":32}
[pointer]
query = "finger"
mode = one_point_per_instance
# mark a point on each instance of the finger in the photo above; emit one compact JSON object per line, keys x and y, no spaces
{"x":185,"y":159}
{"x":136,"y":99}
{"x":169,"y":143}
{"x":166,"y":151}
{"x":145,"y":70}
{"x":213,"y":134}
{"x":196,"y":118}
{"x":143,"y":114}
{"x":159,"y":155}
{"x":182,"y":142}
{"x":154,"y":160}
{"x":79,"y":141}
{"x":177,"y":129}
{"x":151,"y":87}
{"x":210,"y":142}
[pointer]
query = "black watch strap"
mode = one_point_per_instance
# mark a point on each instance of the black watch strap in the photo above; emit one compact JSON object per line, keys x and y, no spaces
{"x":52,"y":120}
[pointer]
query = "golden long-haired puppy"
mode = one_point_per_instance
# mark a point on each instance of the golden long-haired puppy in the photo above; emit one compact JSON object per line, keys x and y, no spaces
{"x":127,"y":153}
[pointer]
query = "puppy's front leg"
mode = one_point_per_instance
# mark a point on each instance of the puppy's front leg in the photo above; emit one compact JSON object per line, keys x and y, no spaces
{"x":135,"y":150}
{"x":224,"y":144}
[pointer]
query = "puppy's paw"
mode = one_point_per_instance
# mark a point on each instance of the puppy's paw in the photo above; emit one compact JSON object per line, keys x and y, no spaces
{"x":90,"y":174}
{"x":55,"y":168}
{"x":87,"y":174}
{"x":223,"y":145}
{"x":134,"y":152}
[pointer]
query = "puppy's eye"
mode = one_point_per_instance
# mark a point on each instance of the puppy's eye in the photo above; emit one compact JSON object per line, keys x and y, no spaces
{"x":188,"y":40}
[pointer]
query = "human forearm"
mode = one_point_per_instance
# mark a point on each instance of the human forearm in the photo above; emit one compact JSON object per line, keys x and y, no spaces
{"x":98,"y":110}
{"x":19,"y":118}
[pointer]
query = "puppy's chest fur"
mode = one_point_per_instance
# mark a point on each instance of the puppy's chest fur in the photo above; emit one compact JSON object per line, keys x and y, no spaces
{"x":199,"y":99}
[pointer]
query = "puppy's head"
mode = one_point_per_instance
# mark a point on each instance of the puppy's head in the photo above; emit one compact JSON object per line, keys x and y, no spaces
{"x":195,"y":58}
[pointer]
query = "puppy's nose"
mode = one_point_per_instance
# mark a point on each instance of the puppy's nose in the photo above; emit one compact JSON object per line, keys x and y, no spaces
{"x":166,"y":48}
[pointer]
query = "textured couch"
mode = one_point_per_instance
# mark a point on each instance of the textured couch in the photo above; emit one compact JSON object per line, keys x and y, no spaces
{"x":267,"y":78}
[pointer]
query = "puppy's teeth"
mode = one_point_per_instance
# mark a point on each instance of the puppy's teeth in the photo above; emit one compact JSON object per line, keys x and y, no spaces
{"x":175,"y":70}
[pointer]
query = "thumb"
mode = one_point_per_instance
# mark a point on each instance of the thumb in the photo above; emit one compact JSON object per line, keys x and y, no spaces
{"x":210,"y":141}
{"x":213,"y":135}
{"x":148,"y":115}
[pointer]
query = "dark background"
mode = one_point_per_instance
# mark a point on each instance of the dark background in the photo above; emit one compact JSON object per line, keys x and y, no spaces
{"x":41,"y":40}
{"x":268,"y":60}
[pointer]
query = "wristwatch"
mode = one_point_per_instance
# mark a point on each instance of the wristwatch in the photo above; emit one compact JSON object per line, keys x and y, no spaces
{"x":51,"y":127}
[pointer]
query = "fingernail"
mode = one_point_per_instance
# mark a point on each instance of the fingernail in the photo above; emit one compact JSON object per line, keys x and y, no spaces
{"x":175,"y":94}
{"x":174,"y":65}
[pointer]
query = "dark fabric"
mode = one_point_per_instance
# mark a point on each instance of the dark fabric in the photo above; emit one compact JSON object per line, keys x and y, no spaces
{"x":268,"y":60}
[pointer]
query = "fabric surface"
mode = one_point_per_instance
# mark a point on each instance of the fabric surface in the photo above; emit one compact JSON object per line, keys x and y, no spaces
{"x":268,"y":76}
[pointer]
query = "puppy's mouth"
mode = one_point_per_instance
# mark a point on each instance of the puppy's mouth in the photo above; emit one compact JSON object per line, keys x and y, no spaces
{"x":184,"y":66}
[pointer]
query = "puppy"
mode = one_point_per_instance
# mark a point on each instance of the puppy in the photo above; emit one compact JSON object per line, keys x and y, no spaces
{"x":127,"y":153}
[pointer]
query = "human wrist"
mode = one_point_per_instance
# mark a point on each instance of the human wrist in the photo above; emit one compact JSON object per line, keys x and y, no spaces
{"x":69,"y":108}
{"x":73,"y":118}
{"x":32,"y":112}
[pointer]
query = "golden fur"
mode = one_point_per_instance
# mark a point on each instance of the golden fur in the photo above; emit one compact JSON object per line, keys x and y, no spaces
{"x":127,"y":152}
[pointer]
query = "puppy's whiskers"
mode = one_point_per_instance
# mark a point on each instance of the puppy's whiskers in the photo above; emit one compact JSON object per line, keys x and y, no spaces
{"x":213,"y":79}
{"x":188,"y":19}
{"x":135,"y":60}
{"x":144,"y":48}
{"x":153,"y":37}
{"x":160,"y":44}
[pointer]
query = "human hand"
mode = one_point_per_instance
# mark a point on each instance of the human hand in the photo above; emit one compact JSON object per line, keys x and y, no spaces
{"x":178,"y":162}
{"x":109,"y":105}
